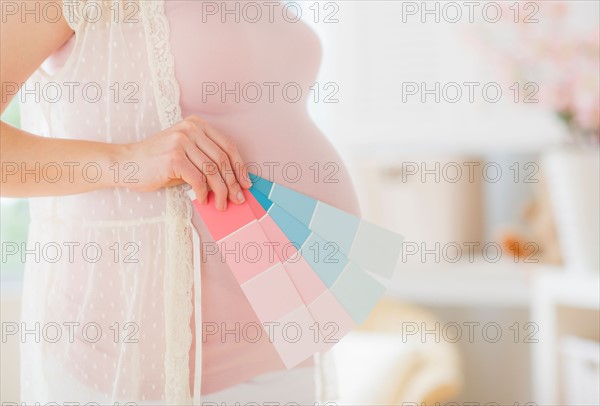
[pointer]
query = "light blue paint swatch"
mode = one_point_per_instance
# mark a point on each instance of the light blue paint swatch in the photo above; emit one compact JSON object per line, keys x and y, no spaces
{"x":335,"y":225}
{"x":373,"y":248}
{"x":376,"y":249}
{"x":357,"y":292}
{"x":297,"y":204}
{"x":324,"y":258}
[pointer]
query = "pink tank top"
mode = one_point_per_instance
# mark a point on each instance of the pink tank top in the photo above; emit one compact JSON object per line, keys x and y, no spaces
{"x":225,"y":71}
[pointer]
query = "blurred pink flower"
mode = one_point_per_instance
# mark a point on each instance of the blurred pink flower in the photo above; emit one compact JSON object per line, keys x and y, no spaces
{"x":557,"y":54}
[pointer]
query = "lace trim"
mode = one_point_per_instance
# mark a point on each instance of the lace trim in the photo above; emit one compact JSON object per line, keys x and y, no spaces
{"x":179,"y":262}
{"x":71,"y":13}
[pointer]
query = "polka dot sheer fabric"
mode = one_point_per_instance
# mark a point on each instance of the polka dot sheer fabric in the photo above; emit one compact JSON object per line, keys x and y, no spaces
{"x":119,"y":291}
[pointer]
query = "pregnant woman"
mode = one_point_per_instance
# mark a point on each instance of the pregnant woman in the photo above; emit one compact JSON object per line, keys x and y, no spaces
{"x":123,"y":104}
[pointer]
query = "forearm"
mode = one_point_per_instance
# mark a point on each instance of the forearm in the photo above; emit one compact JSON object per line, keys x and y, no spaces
{"x":38,"y":166}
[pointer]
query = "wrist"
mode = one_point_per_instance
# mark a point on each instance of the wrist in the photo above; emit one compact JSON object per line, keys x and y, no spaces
{"x":122,"y":168}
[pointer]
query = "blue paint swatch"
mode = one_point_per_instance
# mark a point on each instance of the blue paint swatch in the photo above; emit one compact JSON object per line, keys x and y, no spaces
{"x":297,"y":204}
{"x":261,"y":198}
{"x":295,"y":231}
{"x":261,"y":184}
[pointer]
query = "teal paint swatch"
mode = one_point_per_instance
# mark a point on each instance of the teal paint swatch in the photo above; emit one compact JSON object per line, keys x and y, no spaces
{"x":294,"y":230}
{"x":261,"y":198}
{"x":261,"y":184}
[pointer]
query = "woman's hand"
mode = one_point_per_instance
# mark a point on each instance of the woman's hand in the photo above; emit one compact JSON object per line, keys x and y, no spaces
{"x":190,"y":152}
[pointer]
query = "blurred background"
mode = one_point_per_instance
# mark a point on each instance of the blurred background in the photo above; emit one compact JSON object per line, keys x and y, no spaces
{"x":472,"y":129}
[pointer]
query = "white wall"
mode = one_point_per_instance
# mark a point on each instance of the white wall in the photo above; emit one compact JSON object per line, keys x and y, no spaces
{"x":370,"y":52}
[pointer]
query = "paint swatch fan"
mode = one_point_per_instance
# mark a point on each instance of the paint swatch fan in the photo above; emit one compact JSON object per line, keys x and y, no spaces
{"x":302,"y":262}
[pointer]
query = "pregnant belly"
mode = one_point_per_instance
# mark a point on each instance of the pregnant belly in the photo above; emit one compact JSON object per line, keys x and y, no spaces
{"x":286,"y":147}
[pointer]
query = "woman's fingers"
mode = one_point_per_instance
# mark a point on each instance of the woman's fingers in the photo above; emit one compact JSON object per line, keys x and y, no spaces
{"x":187,"y":171}
{"x":227,"y":146}
{"x":211,"y":175}
{"x":219,"y":161}
{"x":221,"y":165}
{"x":215,"y":160}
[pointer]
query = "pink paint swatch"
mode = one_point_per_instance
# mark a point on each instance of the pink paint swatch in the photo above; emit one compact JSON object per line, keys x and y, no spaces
{"x":258,"y":268}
